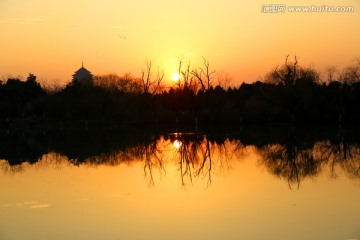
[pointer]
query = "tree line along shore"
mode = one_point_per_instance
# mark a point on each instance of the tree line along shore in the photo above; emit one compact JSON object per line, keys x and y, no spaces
{"x":289,"y":93}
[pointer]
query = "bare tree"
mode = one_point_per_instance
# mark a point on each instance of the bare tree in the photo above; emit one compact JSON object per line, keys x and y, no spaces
{"x":286,"y":74}
{"x":331,"y":70}
{"x":112,"y":82}
{"x":204,"y":75}
{"x":108,"y":81}
{"x":351,"y":74}
{"x":179,"y":72}
{"x":52,"y":86}
{"x":290,"y":73}
{"x":223,"y":80}
{"x":198,"y":75}
{"x":150,"y":84}
{"x":208,"y":74}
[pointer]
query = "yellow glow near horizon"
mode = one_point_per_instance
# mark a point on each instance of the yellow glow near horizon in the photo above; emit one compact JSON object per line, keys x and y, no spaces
{"x":51,"y":38}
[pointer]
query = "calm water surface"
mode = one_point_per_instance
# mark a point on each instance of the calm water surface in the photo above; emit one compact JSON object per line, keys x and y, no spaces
{"x":180,"y":187}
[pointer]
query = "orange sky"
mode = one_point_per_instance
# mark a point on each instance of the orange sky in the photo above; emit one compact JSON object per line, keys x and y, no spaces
{"x":51,"y":38}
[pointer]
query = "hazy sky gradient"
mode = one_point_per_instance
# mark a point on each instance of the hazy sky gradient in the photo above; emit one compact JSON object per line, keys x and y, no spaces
{"x":52,"y":38}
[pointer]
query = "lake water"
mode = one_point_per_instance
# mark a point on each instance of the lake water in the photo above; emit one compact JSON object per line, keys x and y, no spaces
{"x":184,"y":186}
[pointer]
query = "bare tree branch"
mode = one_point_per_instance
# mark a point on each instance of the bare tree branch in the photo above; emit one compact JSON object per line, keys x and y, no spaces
{"x":198,"y":75}
{"x":208,"y":74}
{"x":149,"y":85}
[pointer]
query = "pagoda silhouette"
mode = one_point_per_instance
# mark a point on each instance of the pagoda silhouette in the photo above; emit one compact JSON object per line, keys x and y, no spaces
{"x":83,"y":76}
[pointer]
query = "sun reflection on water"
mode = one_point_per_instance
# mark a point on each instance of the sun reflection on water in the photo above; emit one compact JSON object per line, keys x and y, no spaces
{"x":177,"y":144}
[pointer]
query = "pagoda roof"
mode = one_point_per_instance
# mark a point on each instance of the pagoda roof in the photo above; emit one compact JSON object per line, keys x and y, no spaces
{"x":82,"y":73}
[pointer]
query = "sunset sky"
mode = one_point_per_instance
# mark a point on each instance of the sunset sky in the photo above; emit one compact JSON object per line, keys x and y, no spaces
{"x":51,"y":38}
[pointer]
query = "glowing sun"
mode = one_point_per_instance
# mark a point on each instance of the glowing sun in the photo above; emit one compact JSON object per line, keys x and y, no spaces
{"x":175,"y":76}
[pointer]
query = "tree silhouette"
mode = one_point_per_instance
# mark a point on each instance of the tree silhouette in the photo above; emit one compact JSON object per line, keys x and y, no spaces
{"x":290,"y":93}
{"x":150,"y":83}
{"x":204,"y":75}
{"x":351,"y":74}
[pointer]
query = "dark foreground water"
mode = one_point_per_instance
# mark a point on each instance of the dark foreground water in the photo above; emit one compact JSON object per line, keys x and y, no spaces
{"x":242,"y":183}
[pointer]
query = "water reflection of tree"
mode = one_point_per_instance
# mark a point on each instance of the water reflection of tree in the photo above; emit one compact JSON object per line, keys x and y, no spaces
{"x":152,"y":154}
{"x":150,"y":150}
{"x":7,"y":168}
{"x":53,"y":160}
{"x":290,"y":162}
{"x":295,"y":160}
{"x":341,"y":151}
{"x":194,"y":154}
{"x":292,"y":159}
